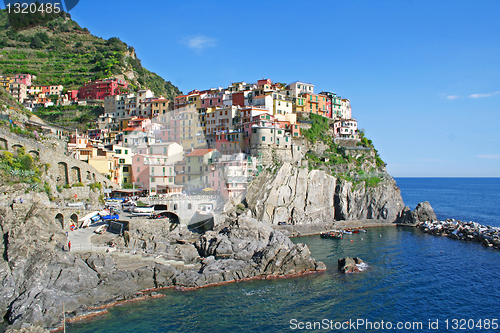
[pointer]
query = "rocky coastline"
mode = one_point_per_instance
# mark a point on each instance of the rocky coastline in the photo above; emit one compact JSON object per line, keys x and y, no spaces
{"x":38,"y":275}
{"x":466,"y":231}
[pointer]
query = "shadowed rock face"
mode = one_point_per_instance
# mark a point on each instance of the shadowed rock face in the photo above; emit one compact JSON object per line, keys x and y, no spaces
{"x":300,"y":196}
{"x":37,"y":276}
{"x":422,"y":213}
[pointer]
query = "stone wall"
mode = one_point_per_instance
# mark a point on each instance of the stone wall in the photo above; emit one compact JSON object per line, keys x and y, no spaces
{"x":63,"y":169}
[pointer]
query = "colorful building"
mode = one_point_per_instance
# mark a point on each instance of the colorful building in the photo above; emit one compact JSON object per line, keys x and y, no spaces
{"x":101,"y":88}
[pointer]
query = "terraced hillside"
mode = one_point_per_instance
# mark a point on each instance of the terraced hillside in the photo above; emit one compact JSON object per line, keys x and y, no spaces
{"x":62,"y":52}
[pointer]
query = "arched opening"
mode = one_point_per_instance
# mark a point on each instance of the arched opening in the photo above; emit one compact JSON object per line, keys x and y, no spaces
{"x":62,"y":178}
{"x":16,"y":147}
{"x":60,"y":219}
{"x":175,"y":206}
{"x":74,"y":218}
{"x":75,"y":175}
{"x":89,"y":175}
{"x":34,"y":154}
{"x":173,"y":219}
{"x":3,"y":144}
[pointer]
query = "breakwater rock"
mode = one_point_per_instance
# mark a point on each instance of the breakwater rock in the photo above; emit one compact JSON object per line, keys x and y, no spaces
{"x":297,"y":195}
{"x":467,"y":231}
{"x":37,"y":276}
{"x":351,"y":265}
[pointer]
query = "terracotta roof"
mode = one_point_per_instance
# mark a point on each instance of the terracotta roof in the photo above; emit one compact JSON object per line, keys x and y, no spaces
{"x":199,"y":152}
{"x":130,"y":129}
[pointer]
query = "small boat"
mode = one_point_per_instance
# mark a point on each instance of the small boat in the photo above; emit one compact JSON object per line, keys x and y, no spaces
{"x":128,"y":205}
{"x":347,"y":232}
{"x":141,"y":210}
{"x":331,"y":234}
{"x":113,"y":203}
{"x":110,"y":217}
{"x":102,"y":229}
{"x":89,"y":218}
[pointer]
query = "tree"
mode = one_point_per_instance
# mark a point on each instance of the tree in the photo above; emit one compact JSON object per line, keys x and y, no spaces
{"x":36,"y":43}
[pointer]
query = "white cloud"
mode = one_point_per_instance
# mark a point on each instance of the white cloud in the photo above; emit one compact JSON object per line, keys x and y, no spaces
{"x":198,"y":43}
{"x":452,"y":97}
{"x":484,"y":95}
{"x":490,"y":157}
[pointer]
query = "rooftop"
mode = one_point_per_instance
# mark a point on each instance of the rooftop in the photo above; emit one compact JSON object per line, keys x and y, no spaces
{"x":200,"y":152}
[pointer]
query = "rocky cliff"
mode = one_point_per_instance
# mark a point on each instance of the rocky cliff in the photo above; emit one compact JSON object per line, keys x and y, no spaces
{"x":297,"y":195}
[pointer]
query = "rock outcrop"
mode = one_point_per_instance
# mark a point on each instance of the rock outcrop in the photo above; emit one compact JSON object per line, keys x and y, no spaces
{"x":422,"y":213}
{"x":292,"y":194}
{"x":37,"y":275}
{"x":296,"y":195}
{"x":350,"y":265}
{"x":358,"y":202}
{"x":265,"y":250}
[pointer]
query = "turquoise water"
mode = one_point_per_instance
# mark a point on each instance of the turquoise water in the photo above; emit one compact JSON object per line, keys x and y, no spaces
{"x":412,"y":278}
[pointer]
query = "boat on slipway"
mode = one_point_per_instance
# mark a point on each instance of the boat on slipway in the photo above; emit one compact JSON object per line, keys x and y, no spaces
{"x":142,"y":211}
{"x":102,"y":229}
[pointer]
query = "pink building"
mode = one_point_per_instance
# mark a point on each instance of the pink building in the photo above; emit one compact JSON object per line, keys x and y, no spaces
{"x":154,"y":174}
{"x":24,"y":79}
{"x":101,"y":88}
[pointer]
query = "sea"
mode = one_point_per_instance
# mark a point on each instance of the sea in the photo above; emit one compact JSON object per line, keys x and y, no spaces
{"x":412,"y":282}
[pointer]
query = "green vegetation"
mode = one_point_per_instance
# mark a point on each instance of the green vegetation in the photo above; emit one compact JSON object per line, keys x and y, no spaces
{"x":356,"y":165}
{"x":319,"y":129}
{"x":73,"y":116}
{"x":59,"y":51}
{"x":22,"y":21}
{"x":20,"y":167}
{"x":95,"y":186}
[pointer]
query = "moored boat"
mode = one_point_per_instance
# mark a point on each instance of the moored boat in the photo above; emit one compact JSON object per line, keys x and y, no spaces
{"x":331,"y":234}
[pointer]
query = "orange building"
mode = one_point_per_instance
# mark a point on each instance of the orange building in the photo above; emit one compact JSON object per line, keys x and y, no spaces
{"x":316,"y":104}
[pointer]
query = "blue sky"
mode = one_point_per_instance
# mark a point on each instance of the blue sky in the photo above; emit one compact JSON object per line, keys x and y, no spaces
{"x":423,"y":77}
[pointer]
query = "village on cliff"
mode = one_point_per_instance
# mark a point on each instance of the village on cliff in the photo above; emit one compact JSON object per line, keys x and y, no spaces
{"x":207,"y":141}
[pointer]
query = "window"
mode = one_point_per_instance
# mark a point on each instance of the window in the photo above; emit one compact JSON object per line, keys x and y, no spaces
{"x":126,"y":151}
{"x":125,"y":169}
{"x":189,"y":206}
{"x":200,"y":159}
{"x":138,"y":169}
{"x":122,"y":160}
{"x":152,"y":179}
{"x":263,"y":138}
